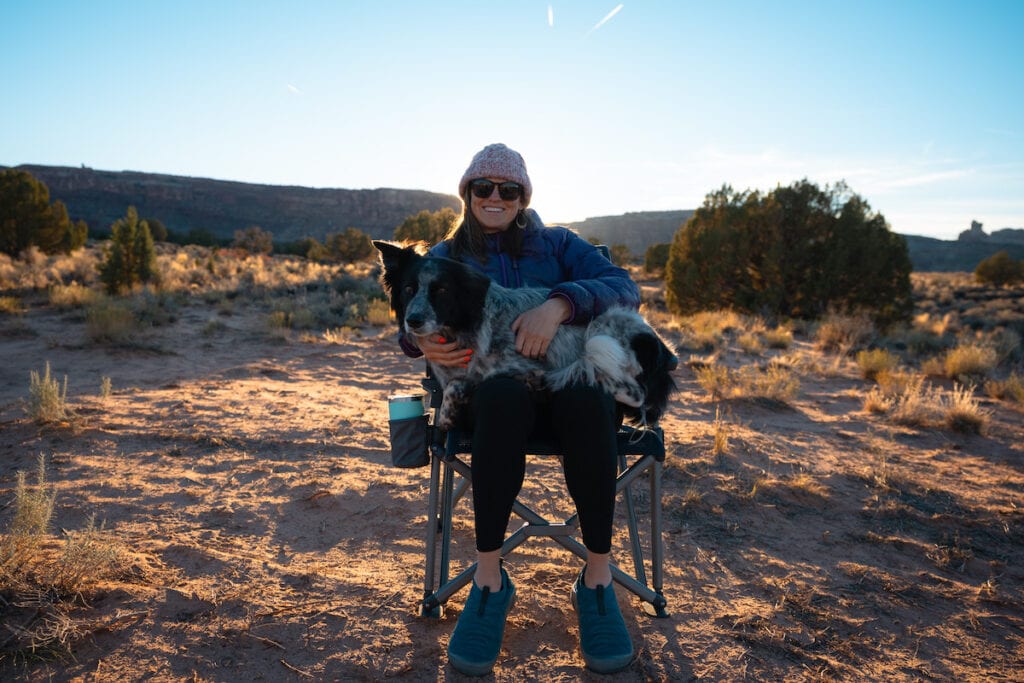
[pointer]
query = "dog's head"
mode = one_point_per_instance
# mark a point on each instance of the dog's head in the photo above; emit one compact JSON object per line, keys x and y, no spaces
{"x":657,"y":362}
{"x":431,"y":295}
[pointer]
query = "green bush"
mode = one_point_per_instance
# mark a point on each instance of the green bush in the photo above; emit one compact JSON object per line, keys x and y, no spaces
{"x":656,"y":257}
{"x":427,"y":226}
{"x":999,"y":269}
{"x":796,"y":252}
{"x":349,"y":246}
{"x":130,"y":256}
{"x":27,"y":218}
{"x":254,"y":240}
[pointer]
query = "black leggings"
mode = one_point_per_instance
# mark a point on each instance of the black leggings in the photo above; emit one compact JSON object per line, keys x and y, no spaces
{"x":582,"y":419}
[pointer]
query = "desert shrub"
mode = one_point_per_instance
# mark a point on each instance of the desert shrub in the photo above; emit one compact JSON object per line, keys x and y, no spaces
{"x":620,"y":254}
{"x":254,"y":240}
{"x":656,"y":257}
{"x":71,"y":296}
{"x":11,"y":305}
{"x":705,"y":330}
{"x":999,"y":270}
{"x":969,"y":360}
{"x":843,"y":332}
{"x":88,"y":555}
{"x":774,"y":383}
{"x":781,"y":337}
{"x":796,"y":251}
{"x":33,"y":511}
{"x":130,"y":256}
{"x":110,"y":321}
{"x":720,"y":432}
{"x":878,"y":401}
{"x":919,"y":404}
{"x":106,"y":387}
{"x":874,"y":361}
{"x":29,"y":219}
{"x":47,"y":399}
{"x":427,"y":226}
{"x":750,"y":343}
{"x":894,"y":382}
{"x":1009,"y":389}
{"x":349,"y":246}
{"x":962,"y":412}
{"x":714,"y":379}
{"x":378,"y":313}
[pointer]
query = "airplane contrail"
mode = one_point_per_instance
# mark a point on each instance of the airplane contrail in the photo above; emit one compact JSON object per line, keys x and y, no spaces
{"x":551,"y":15}
{"x":607,"y":17}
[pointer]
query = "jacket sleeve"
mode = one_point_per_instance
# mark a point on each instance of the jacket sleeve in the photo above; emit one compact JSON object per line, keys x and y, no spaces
{"x":594,"y":283}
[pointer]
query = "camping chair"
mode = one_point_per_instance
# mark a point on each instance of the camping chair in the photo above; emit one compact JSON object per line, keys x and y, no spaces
{"x":645,"y":448}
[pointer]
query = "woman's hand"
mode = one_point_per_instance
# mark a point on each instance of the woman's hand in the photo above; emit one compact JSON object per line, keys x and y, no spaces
{"x":537,"y":327}
{"x":440,"y":351}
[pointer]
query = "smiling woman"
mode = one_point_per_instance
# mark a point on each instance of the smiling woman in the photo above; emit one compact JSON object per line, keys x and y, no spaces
{"x":500,"y":237}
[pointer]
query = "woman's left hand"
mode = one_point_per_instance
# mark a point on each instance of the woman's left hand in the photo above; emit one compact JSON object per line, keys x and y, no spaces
{"x":536,"y":327}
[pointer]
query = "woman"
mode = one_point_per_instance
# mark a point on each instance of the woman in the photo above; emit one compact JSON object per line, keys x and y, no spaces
{"x":500,"y":237}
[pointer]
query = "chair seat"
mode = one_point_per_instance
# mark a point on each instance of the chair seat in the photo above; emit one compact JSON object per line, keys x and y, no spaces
{"x":631,"y":441}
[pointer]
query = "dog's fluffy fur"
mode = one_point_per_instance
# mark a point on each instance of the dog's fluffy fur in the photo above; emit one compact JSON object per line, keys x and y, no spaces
{"x":618,"y":350}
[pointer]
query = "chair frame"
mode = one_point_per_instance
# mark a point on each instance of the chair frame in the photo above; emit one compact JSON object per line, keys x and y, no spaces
{"x":645,"y":447}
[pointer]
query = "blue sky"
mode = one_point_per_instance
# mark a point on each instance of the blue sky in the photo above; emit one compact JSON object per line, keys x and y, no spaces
{"x":918,"y":106}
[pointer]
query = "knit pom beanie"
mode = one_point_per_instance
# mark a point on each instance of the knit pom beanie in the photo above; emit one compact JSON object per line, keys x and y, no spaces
{"x":498,"y":161}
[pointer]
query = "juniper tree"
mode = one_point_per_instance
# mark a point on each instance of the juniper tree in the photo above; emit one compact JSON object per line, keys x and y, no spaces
{"x":130,"y":255}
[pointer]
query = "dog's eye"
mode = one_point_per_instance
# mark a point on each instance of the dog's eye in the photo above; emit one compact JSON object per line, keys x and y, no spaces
{"x":409,"y":289}
{"x":441,"y":291}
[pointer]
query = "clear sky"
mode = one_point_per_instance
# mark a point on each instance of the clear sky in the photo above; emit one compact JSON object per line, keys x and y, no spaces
{"x":638,"y":106}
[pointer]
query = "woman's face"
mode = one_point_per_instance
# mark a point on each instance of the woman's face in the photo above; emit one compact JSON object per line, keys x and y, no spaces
{"x":493,"y":213}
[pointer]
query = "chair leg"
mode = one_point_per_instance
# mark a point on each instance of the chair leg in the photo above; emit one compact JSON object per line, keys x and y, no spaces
{"x":634,"y":533}
{"x":657,"y":607}
{"x":430,"y":608}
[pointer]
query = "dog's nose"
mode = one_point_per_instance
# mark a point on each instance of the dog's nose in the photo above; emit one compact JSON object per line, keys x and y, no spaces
{"x":413,"y":322}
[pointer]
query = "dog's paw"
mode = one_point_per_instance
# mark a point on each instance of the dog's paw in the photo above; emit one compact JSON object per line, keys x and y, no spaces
{"x":455,"y":396}
{"x":627,"y":392}
{"x":446,"y":417}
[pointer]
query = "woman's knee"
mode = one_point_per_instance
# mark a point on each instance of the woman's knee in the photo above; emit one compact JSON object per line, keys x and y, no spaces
{"x":501,"y":395}
{"x":582,"y":403}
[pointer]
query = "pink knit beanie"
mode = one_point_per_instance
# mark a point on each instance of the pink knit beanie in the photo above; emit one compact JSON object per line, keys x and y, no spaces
{"x":498,"y":161}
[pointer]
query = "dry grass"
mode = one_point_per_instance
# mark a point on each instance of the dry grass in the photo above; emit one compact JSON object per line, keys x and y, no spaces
{"x":73,"y":295}
{"x":874,"y":362}
{"x":781,"y":337}
{"x":47,"y":400}
{"x":11,"y":305}
{"x":33,"y":511}
{"x":111,"y":321}
{"x":969,"y":361}
{"x":1009,"y":389}
{"x":843,"y":333}
{"x":774,"y":383}
{"x":916,"y":403}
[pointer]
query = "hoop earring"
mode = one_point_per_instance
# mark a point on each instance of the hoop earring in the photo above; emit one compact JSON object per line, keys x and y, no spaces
{"x":521,"y":220}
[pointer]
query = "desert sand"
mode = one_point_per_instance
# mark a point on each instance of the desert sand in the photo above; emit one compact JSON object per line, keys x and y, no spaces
{"x":245,"y":478}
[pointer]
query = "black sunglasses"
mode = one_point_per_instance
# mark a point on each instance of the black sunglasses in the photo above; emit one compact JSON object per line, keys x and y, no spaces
{"x":509,"y":191}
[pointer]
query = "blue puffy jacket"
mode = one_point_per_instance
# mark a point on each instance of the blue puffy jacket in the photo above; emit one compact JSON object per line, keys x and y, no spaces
{"x":558,"y":259}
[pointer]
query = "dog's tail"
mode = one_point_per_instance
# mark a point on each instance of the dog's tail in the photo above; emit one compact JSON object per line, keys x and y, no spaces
{"x":604,"y":362}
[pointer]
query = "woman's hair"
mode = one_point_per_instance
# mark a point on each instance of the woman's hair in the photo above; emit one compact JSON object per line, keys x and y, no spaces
{"x":467,"y":237}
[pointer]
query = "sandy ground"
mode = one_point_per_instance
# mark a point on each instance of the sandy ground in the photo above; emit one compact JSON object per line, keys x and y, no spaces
{"x":267,"y":537}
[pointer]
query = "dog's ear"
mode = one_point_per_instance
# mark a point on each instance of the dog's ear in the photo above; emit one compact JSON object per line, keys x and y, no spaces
{"x":396,"y":260}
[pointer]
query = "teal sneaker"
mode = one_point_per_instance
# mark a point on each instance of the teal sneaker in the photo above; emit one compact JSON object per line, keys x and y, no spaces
{"x":476,"y":641}
{"x":604,"y":640}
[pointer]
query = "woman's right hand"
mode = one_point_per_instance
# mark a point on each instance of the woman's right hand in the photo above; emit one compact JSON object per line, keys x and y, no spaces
{"x":440,"y":351}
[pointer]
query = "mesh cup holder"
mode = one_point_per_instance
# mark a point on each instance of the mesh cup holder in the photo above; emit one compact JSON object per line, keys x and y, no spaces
{"x":409,"y":440}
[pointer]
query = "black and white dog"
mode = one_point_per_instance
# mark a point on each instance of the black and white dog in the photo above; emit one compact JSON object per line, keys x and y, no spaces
{"x":618,"y":350}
